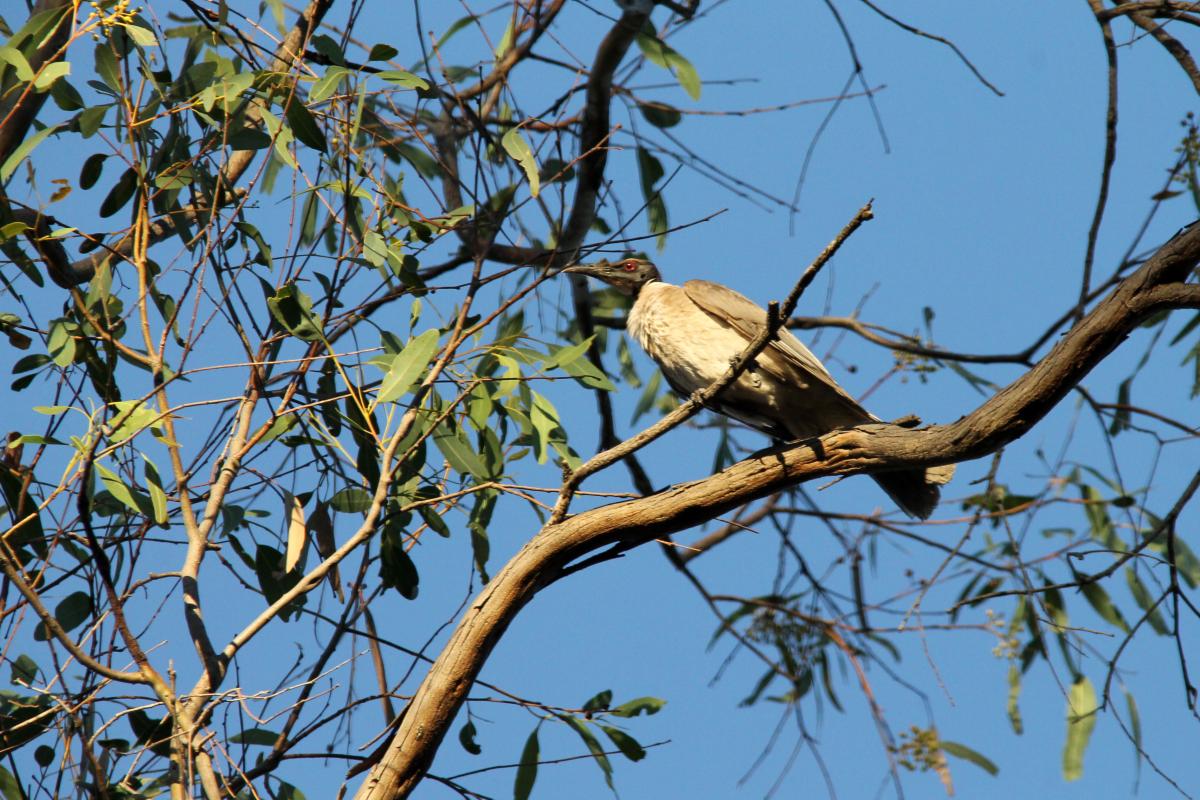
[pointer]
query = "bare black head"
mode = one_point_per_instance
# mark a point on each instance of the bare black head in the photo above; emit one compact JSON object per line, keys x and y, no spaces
{"x":628,"y":275}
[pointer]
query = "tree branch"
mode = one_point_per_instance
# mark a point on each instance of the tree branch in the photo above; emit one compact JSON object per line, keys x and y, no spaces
{"x":1004,"y":417}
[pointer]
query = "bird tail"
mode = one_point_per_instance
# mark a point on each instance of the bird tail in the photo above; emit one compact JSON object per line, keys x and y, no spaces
{"x":916,"y":490}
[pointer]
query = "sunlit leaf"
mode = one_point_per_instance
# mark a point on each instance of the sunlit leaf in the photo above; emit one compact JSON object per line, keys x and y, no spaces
{"x":158,"y":497}
{"x":23,"y":150}
{"x":297,"y":531}
{"x":50,"y":73}
{"x":133,"y":500}
{"x":408,"y":365}
{"x":404,"y":79}
{"x":662,"y":54}
{"x":1081,"y":719}
{"x":515,"y":145}
{"x":141,"y":36}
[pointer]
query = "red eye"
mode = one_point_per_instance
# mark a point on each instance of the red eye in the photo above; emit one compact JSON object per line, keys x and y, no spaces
{"x":630,"y":266}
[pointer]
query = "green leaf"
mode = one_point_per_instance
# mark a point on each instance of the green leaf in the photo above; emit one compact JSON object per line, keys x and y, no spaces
{"x":408,"y":365}
{"x":660,"y":115}
{"x":130,"y":498}
{"x":454,"y":446}
{"x":651,"y":172}
{"x":23,"y":150}
{"x":154,"y":733}
{"x":274,"y":581}
{"x":1096,"y":510}
{"x":24,"y":670}
{"x":628,"y":746}
{"x":506,"y":39}
{"x":1186,"y":562}
{"x":527,"y":769}
{"x":396,"y":568}
{"x":14,"y":57}
{"x":434,"y":521}
{"x":304,"y":127}
{"x":466,"y":737}
{"x":328,"y":47}
{"x":405,"y":79}
{"x":1103,"y":605}
{"x":1014,"y":696}
{"x":477,"y":523}
{"x":90,"y":120}
{"x":1135,"y":726}
{"x":66,"y":96}
{"x":11,"y":230}
{"x":92,"y":168}
{"x":252,"y":233}
{"x":279,"y":426}
{"x":1121,"y":417}
{"x":141,"y":36}
{"x":282,"y":136}
{"x":120,"y":193}
{"x":1141,"y":596}
{"x":107,"y":67}
{"x":647,"y":705}
{"x":327,"y":84}
{"x":51,"y":73}
{"x":382,"y":52}
{"x":129,"y":418}
{"x":1081,"y":719}
{"x":10,"y":789}
{"x":967,"y":754}
{"x":73,"y":610}
{"x":292,"y":309}
{"x":599,"y":701}
{"x":593,"y":746}
{"x":544,"y":418}
{"x":158,"y":497}
{"x":662,"y":54}
{"x":649,"y":395}
{"x":351,"y":500}
{"x":573,"y":360}
{"x":518,"y":149}
{"x":259,"y":736}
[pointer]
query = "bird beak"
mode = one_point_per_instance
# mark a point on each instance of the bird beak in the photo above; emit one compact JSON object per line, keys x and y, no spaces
{"x":595,"y":270}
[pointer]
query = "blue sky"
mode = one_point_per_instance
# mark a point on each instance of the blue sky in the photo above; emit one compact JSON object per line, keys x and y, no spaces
{"x":982,"y":208}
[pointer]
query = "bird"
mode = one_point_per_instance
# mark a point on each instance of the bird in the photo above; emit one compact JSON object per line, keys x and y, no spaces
{"x":695,"y":331}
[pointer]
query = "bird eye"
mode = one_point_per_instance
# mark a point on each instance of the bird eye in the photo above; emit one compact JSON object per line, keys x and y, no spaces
{"x":630,"y":266}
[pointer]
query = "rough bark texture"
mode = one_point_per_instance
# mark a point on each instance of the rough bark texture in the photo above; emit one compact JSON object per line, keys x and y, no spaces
{"x":1159,"y":284}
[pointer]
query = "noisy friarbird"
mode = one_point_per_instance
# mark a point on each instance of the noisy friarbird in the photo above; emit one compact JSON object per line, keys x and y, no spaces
{"x":696,"y":330}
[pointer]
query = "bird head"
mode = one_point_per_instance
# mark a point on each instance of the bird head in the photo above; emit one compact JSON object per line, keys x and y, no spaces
{"x":627,"y":275}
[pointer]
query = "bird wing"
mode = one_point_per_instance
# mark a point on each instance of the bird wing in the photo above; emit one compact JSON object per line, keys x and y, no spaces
{"x":737,"y":311}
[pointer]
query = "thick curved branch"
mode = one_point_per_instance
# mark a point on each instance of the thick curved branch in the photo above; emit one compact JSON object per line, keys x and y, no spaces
{"x":1006,"y":416}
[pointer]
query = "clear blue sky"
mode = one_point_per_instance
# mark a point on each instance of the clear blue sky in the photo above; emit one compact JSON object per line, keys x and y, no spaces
{"x":982,"y":208}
